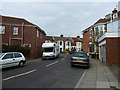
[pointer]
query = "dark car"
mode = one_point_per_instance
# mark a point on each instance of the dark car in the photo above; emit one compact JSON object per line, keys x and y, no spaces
{"x":72,"y":52}
{"x":80,"y":59}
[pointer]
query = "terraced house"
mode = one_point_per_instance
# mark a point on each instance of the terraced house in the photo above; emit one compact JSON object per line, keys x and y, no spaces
{"x":66,"y":43}
{"x":102,"y":38}
{"x":22,"y":32}
{"x":109,"y":42}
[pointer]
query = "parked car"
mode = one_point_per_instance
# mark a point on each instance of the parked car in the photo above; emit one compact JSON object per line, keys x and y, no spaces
{"x":10,"y":59}
{"x":72,"y":52}
{"x":80,"y":59}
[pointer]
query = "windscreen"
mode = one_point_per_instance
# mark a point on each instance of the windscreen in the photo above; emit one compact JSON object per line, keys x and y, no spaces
{"x":48,"y":49}
{"x":80,"y":55}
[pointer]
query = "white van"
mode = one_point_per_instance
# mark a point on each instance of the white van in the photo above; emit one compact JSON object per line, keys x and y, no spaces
{"x":10,"y":59}
{"x":50,"y":50}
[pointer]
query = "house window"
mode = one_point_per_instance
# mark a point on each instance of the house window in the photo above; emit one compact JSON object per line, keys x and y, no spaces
{"x":41,"y":35}
{"x":4,"y":43}
{"x":15,"y":31}
{"x":2,"y":29}
{"x":60,"y":43}
{"x":101,"y":28}
{"x":115,"y":15}
{"x":37,"y":33}
{"x":68,"y":43}
{"x":96,"y":30}
{"x":27,"y":45}
{"x":90,"y":34}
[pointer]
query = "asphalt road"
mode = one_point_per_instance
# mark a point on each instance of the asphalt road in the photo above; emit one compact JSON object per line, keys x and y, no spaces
{"x":55,"y":73}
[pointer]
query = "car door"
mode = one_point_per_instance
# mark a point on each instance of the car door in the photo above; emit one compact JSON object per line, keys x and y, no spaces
{"x":18,"y":58}
{"x":8,"y":60}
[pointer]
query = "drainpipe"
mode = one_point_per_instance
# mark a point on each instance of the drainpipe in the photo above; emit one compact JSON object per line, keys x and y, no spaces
{"x":10,"y":35}
{"x":22,"y":34}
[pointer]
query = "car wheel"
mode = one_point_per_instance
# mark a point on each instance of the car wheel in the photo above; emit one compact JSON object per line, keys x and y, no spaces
{"x":21,"y":64}
{"x":72,"y":65}
{"x":87,"y":67}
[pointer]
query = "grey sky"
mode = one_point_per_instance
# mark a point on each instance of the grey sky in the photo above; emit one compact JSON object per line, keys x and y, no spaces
{"x":67,"y":18}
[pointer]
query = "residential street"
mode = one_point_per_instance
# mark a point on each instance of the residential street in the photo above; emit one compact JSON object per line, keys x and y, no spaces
{"x":55,"y":73}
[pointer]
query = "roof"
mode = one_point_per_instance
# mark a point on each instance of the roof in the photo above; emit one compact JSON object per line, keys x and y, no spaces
{"x":67,"y":39}
{"x":104,"y":20}
{"x":58,"y":38}
{"x":14,"y":20}
{"x":75,"y":39}
{"x":87,"y":29}
{"x":19,"y":21}
{"x":49,"y":38}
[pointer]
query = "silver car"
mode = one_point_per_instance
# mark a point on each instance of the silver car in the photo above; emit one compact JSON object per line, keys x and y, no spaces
{"x":10,"y":59}
{"x":80,"y":59}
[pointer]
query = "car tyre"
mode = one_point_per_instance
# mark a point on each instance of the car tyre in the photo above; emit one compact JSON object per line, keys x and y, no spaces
{"x":21,"y":64}
{"x":72,"y":65}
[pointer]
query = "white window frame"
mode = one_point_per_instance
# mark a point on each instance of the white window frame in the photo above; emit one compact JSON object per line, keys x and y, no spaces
{"x":37,"y":33}
{"x":41,"y":35}
{"x":2,"y":29}
{"x":15,"y":31}
{"x":29,"y":45}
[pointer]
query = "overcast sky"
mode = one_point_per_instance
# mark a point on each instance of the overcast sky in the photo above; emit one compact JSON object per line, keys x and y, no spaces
{"x":55,"y":18}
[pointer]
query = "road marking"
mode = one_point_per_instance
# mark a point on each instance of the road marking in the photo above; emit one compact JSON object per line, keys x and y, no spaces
{"x":63,"y":58}
{"x":78,"y":84}
{"x":22,"y":74}
{"x":51,"y":64}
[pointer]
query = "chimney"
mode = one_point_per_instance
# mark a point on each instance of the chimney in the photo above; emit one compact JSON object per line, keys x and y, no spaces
{"x":61,"y":35}
{"x":78,"y":36}
{"x":114,"y":10}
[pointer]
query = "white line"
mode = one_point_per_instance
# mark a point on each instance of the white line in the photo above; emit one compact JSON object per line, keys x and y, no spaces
{"x":19,"y":75}
{"x":51,"y":64}
{"x":78,"y":84}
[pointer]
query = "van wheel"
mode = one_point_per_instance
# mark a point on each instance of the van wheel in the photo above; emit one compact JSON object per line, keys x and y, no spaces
{"x":21,"y":64}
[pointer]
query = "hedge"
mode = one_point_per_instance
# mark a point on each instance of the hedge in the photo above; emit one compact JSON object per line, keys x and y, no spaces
{"x":16,"y":48}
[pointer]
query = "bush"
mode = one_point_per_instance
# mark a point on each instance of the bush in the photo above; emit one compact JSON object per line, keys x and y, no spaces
{"x":16,"y":48}
{"x":66,"y":51}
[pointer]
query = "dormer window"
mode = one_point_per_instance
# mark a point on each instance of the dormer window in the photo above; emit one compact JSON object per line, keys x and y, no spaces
{"x":114,"y":15}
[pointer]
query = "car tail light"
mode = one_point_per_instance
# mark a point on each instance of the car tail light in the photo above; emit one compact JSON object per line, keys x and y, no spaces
{"x":72,"y":59}
{"x":87,"y":60}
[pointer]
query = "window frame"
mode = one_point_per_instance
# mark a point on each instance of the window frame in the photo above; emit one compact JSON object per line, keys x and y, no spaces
{"x":7,"y":58}
{"x":2,"y":29}
{"x":17,"y":56}
{"x":15,"y":31}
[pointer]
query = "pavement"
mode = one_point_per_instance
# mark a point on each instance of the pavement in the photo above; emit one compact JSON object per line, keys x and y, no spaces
{"x":98,"y":76}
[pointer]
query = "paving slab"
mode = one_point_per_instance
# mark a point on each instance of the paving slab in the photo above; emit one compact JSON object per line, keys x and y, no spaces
{"x":98,"y":76}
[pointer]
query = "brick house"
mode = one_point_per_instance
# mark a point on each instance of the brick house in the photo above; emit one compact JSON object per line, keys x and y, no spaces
{"x":109,"y":42}
{"x":66,"y":43}
{"x":77,"y":43}
{"x":22,"y":32}
{"x":49,"y":39}
{"x":92,"y":33}
{"x":87,"y":39}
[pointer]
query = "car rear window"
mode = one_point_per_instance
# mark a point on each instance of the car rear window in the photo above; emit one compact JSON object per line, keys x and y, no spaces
{"x":80,"y":55}
{"x":17,"y":55}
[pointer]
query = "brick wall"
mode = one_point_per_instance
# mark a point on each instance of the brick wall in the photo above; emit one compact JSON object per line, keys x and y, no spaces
{"x":113,"y":51}
{"x":86,"y":40}
{"x":28,"y":32}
